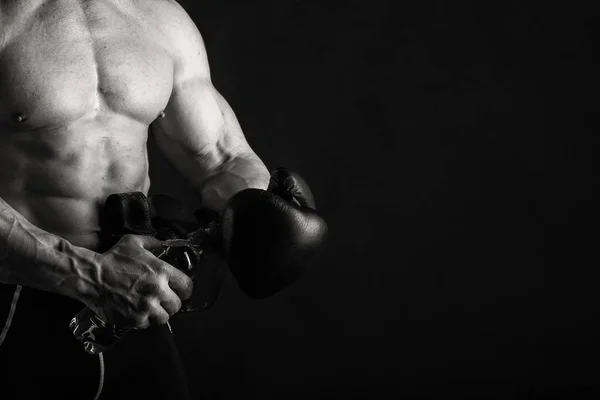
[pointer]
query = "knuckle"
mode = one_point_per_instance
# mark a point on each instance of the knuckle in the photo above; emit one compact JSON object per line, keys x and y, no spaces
{"x":165,"y":289}
{"x":161,"y":268}
{"x":162,"y":281}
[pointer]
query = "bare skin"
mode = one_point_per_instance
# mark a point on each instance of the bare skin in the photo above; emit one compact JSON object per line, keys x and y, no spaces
{"x":82,"y":84}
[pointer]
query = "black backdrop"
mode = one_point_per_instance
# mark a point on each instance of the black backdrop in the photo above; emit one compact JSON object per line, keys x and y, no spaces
{"x":447,"y":147}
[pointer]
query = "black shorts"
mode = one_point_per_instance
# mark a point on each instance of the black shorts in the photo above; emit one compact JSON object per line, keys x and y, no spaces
{"x":40,"y":358}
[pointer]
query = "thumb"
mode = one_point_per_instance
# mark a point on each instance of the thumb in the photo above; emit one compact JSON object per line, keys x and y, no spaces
{"x":292,"y":187}
{"x":148,"y":242}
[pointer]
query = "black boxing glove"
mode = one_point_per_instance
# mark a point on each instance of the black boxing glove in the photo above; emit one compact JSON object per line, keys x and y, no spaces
{"x":271,"y":236}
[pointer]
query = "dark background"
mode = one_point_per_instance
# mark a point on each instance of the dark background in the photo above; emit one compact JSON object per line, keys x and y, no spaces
{"x":449,"y":147}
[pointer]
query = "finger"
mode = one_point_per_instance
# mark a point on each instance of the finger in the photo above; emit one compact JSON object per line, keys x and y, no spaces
{"x":159,"y":316}
{"x":171,"y":305}
{"x":180,"y":283}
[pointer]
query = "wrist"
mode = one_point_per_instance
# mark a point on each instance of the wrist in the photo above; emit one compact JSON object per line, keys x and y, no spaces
{"x":81,"y":273}
{"x":242,"y":172}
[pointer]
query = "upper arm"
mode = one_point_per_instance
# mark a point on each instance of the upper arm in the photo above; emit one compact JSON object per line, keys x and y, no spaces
{"x":198,"y":122}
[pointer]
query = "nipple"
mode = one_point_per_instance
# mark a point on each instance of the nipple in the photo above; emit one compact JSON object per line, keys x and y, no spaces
{"x":161,"y":114}
{"x":20,"y":117}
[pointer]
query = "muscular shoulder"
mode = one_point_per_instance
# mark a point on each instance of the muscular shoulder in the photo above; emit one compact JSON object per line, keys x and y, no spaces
{"x":182,"y":37}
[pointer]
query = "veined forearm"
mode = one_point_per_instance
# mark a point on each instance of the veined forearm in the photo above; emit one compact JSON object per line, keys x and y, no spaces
{"x":32,"y":257}
{"x":242,"y":172}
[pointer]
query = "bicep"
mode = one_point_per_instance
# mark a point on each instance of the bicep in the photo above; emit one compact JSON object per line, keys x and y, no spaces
{"x":200,"y":124}
{"x":193,"y":115}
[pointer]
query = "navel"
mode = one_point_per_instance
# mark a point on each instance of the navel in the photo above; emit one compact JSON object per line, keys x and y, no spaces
{"x":19,"y":117}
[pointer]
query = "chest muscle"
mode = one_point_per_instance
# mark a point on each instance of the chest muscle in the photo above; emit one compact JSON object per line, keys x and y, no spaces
{"x":62,"y":63}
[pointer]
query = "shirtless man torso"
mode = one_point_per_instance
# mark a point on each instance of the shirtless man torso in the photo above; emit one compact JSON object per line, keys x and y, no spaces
{"x":82,"y":84}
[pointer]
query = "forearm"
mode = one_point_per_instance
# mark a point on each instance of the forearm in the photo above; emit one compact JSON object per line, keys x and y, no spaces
{"x":30,"y":256}
{"x":241,"y":172}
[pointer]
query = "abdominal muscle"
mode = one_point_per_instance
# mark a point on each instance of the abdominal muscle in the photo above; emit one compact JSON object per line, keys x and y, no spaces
{"x":75,"y":110}
{"x":58,"y":180}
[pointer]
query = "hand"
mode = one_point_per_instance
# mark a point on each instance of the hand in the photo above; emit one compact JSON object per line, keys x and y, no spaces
{"x":135,"y":289}
{"x":271,"y":236}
